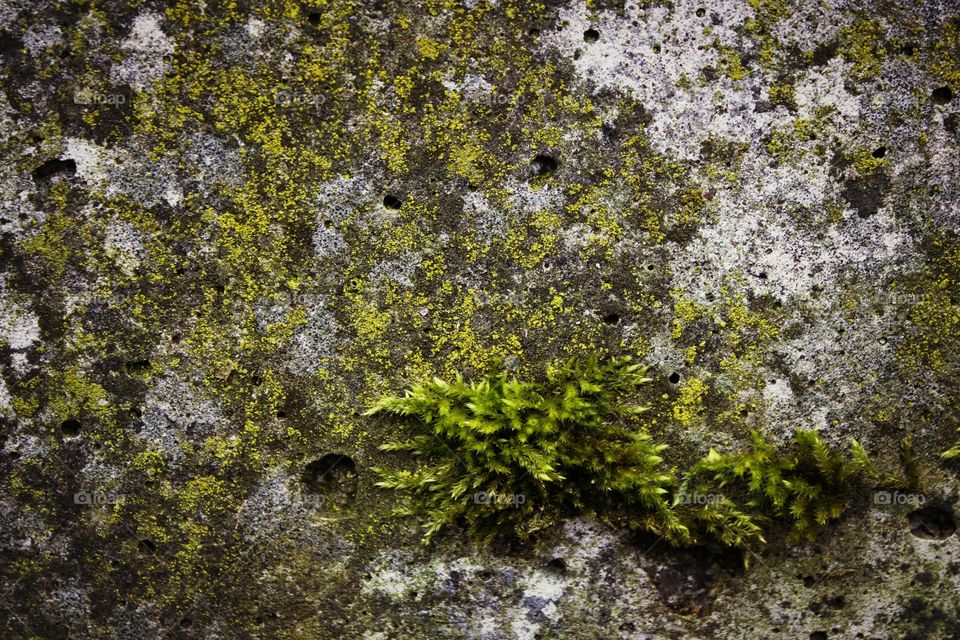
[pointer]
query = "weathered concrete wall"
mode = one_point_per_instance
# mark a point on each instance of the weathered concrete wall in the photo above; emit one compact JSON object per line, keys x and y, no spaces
{"x":226,"y":227}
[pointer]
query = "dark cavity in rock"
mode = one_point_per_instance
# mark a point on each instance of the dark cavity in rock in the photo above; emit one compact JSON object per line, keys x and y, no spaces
{"x":543,"y":165}
{"x":56,"y":167}
{"x":942,"y":95}
{"x":932,"y":522}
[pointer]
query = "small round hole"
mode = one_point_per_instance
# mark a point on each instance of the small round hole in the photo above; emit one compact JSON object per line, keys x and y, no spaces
{"x":942,"y":95}
{"x":591,"y":35}
{"x":879,"y":152}
{"x":558,"y":564}
{"x":391,"y":201}
{"x":543,"y":165}
{"x":611,"y":318}
{"x":674,"y":378}
{"x":70,"y":428}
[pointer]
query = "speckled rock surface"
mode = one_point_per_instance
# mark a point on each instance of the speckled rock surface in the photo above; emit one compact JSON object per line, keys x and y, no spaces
{"x":228,"y":226}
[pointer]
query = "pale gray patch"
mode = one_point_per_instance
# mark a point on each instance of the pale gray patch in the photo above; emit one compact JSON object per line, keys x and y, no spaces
{"x":148,"y":48}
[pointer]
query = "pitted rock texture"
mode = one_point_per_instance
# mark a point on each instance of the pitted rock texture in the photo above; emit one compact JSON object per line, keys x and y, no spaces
{"x":228,"y":226}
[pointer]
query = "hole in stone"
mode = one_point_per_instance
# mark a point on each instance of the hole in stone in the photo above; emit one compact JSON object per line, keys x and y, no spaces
{"x":809,"y":581}
{"x":591,"y":35}
{"x":534,"y":33}
{"x":256,"y":380}
{"x":391,"y":201}
{"x":281,"y":414}
{"x":146,"y":546}
{"x":138,"y":366}
{"x":650,"y":267}
{"x":674,"y":378}
{"x":762,"y":275}
{"x":942,"y":95}
{"x":328,"y":471}
{"x":907,"y":50}
{"x":53,"y":167}
{"x":701,"y":12}
{"x":818,"y":635}
{"x":558,"y":564}
{"x":313,"y":18}
{"x":186,"y":623}
{"x":70,"y":428}
{"x":932,"y":523}
{"x":611,"y":318}
{"x":879,"y":152}
{"x":543,"y":165}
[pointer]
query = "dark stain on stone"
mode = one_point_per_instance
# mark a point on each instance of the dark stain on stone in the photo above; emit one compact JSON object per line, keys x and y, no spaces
{"x":866,"y":194}
{"x":688,"y":579}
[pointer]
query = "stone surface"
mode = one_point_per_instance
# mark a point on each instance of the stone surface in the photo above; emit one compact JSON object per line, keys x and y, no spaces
{"x":227,"y":227}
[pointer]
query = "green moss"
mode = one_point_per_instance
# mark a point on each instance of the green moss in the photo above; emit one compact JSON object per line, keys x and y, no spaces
{"x":784,"y":94}
{"x":690,"y":403}
{"x":946,"y":53}
{"x":515,"y":457}
{"x":866,"y":164}
{"x":511,"y":458}
{"x":729,"y":62}
{"x":809,"y":486}
{"x":864,"y":43}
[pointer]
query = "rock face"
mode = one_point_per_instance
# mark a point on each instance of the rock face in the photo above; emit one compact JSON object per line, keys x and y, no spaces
{"x":227,"y":227}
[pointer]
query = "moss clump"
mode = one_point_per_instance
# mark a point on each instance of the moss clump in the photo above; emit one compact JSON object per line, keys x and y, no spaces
{"x":952,"y":452}
{"x":946,"y":58}
{"x":808,"y":486}
{"x":505,"y":455}
{"x":784,"y":94}
{"x":864,"y":44}
{"x":509,"y":458}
